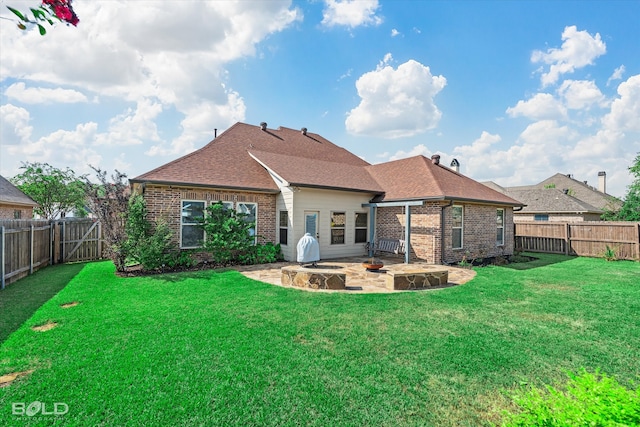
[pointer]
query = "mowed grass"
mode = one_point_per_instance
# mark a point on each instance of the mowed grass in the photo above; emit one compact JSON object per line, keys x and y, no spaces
{"x":216,"y":348}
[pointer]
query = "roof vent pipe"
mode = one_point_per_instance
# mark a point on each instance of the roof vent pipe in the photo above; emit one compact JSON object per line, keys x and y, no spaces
{"x":435,"y":159}
{"x":304,"y":131}
{"x":215,"y":133}
{"x":263,"y":125}
{"x":455,"y":165}
{"x":602,"y":181}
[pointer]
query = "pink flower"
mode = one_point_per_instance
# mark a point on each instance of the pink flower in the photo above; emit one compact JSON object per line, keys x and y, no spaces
{"x":63,"y":10}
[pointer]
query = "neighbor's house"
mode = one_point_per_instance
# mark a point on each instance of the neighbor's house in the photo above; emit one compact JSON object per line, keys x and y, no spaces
{"x":561,"y":198}
{"x":14,"y":204}
{"x":292,"y":182}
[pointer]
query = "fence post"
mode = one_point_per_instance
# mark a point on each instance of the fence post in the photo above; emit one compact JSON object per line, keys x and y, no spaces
{"x":51,"y":234}
{"x":567,"y":238}
{"x":2,"y":257}
{"x":638,"y":241}
{"x":31,"y":249}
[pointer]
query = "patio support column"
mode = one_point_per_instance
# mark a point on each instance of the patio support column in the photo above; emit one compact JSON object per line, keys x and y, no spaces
{"x":372,"y":229}
{"x":407,"y":233}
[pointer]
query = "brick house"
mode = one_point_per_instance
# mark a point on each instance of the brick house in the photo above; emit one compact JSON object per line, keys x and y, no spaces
{"x":291,"y":182}
{"x":14,"y":204}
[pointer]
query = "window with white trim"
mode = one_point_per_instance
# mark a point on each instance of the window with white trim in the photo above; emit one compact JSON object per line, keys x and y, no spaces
{"x":361,"y":225}
{"x":227,"y":205}
{"x":191,"y":234}
{"x":251,"y":212}
{"x":338,"y":222}
{"x":541,"y":217}
{"x":284,"y":228}
{"x":500,"y":227}
{"x":457,"y":226}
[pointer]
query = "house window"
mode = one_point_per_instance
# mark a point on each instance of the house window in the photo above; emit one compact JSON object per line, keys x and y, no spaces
{"x":457,"y":226}
{"x":227,"y":205}
{"x":251,"y":212}
{"x":191,"y":234}
{"x":17,"y":214}
{"x":541,"y":217}
{"x":500,"y":227}
{"x":338,"y":220}
{"x":284,"y":227}
{"x":361,"y":227}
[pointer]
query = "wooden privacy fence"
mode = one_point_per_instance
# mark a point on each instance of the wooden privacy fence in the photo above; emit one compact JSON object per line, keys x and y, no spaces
{"x":28,"y":245}
{"x":589,"y":238}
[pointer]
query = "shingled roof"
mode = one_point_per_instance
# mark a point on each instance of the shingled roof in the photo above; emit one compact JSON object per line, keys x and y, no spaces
{"x":550,"y":200}
{"x":226,"y":161}
{"x":247,"y":156}
{"x":581,"y":190}
{"x":419,"y":178}
{"x":11,"y":194}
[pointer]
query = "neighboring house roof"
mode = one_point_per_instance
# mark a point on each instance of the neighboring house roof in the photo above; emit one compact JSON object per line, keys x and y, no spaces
{"x":10,"y":194}
{"x":550,"y":200}
{"x":250,"y":158}
{"x":419,"y":178}
{"x":582,"y":191}
{"x":225,"y":162}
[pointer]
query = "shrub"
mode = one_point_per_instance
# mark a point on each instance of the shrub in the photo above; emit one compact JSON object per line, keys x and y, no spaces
{"x":609,"y":254}
{"x":149,"y":244}
{"x":586,"y":400}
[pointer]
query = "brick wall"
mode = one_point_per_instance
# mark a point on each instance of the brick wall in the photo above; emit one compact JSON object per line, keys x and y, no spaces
{"x":479,"y":233}
{"x":165,"y":202}
{"x":8,"y":212}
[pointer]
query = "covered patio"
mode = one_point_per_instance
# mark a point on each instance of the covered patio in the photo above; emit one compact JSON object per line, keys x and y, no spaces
{"x":358,"y":280}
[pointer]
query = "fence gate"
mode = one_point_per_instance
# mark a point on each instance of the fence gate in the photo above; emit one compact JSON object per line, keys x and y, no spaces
{"x":79,"y":240}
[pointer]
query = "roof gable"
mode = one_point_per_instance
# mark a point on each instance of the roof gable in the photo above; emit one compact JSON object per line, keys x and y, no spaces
{"x":9,"y":193}
{"x":581,"y":190}
{"x":550,"y":200}
{"x":417,"y":178}
{"x":225,"y":161}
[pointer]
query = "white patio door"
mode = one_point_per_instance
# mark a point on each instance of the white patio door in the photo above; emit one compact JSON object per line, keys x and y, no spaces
{"x":311,"y":223}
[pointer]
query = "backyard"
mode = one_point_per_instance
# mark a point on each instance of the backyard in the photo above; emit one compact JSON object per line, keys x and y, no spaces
{"x":217,"y":348}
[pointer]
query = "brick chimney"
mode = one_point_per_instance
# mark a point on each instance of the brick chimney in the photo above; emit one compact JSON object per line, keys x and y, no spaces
{"x":602,"y":181}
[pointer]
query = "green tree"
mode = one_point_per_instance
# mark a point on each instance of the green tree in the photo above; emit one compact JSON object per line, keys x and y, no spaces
{"x":57,"y":191}
{"x":227,"y":233}
{"x":630,"y":210}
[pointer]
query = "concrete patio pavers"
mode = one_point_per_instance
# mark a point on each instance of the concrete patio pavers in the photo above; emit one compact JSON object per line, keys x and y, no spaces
{"x":358,"y":279}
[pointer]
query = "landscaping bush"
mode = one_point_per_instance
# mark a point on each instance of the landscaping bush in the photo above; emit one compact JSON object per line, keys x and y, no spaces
{"x":586,"y":400}
{"x":229,"y":240}
{"x":152,"y":245}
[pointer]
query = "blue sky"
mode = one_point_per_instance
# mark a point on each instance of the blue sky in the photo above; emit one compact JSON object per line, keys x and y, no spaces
{"x":515,"y":90}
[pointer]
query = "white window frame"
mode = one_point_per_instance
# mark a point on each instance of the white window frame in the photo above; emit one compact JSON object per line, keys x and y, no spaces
{"x":356,"y":228}
{"x":500,"y":227}
{"x":255,"y":223}
{"x":343,"y":227}
{"x":461,"y":228}
{"x":228,"y":205}
{"x":191,"y":224}
{"x":283,"y":227}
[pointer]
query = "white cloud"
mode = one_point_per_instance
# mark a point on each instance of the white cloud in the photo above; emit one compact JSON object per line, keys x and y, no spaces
{"x":14,"y":125}
{"x":396,"y":102}
{"x":133,"y":127}
{"x":147,"y":53}
{"x":625,"y":110}
{"x":617,"y":74}
{"x":579,"y":49}
{"x":580,"y":94}
{"x":540,"y":106}
{"x":21,"y":93}
{"x":350,"y":13}
{"x":394,"y":32}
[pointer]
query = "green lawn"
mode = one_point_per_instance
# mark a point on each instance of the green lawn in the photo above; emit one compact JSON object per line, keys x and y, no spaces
{"x":215,"y":348}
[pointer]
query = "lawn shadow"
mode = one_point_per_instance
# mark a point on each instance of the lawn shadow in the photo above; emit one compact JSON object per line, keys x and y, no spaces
{"x":19,"y":300}
{"x":541,"y":260}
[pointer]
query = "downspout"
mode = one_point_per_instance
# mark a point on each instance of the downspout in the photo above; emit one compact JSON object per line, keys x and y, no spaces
{"x":442,"y":231}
